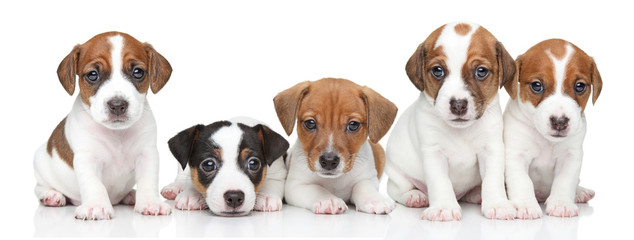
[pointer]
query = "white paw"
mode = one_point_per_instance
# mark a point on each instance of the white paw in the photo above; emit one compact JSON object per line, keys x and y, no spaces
{"x":584,"y":195}
{"x":53,"y":198}
{"x":152,"y":206}
{"x":129,"y":199}
{"x":265,"y":202}
{"x":172,"y":190}
{"x":94,"y":211}
{"x":330,"y":206}
{"x":561,"y":208}
{"x":449,"y":212}
{"x":503,"y":210}
{"x":376,"y":205}
{"x":528,"y":211}
{"x":415,"y":199}
{"x":190,"y":200}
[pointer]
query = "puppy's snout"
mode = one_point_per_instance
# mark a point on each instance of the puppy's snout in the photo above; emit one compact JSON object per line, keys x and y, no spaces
{"x":329,"y":161}
{"x":118,"y":106}
{"x":559,"y":123}
{"x":458,"y":107}
{"x":234,"y":199}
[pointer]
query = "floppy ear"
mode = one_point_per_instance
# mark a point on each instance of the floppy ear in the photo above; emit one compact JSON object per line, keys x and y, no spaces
{"x":414,"y":67}
{"x":67,"y":70}
{"x":511,"y":86}
{"x":182,"y":144}
{"x":287,"y":103}
{"x":159,"y":70}
{"x":381,"y":113}
{"x":273,"y":144}
{"x":506,"y":65}
{"x":597,"y":83}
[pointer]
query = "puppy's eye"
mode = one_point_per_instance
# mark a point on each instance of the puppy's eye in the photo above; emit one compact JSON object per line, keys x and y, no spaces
{"x":481,"y":73}
{"x":438,"y":72}
{"x":537,"y":87}
{"x":208,"y":165}
{"x":138,"y":73}
{"x":353,"y":126}
{"x":310,"y":124}
{"x":254,"y":164}
{"x":92,"y":76}
{"x":580,"y":87}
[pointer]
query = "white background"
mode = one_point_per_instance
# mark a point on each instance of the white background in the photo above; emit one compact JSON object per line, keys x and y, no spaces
{"x":230,"y":58}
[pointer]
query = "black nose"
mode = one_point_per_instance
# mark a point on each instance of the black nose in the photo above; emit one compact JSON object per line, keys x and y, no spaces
{"x":458,"y":107}
{"x":234,"y":199}
{"x":559,"y":124}
{"x":329,"y":161}
{"x":118,"y":106}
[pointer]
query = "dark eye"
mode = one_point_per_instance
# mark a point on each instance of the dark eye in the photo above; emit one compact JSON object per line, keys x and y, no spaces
{"x":580,"y":87}
{"x":438,"y":72}
{"x":353,"y":126}
{"x":537,"y":87}
{"x":481,"y":73}
{"x":310,"y":124}
{"x":254,"y":164}
{"x":208,"y":165}
{"x":92,"y":76}
{"x":138,"y":73}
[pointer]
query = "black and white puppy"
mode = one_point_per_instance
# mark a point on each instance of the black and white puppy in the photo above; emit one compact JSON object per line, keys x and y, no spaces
{"x":230,"y":167}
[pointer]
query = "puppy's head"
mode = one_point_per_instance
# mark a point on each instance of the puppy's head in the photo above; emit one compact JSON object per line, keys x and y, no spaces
{"x":115,"y":71}
{"x":553,"y":84}
{"x":459,"y":67}
{"x":228,"y":162}
{"x":334,"y":118}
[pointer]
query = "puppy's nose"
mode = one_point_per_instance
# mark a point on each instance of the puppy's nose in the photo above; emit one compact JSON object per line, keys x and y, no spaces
{"x":329,"y":161}
{"x":559,"y":123}
{"x":458,"y":107}
{"x":234,"y":199}
{"x":117,"y":106}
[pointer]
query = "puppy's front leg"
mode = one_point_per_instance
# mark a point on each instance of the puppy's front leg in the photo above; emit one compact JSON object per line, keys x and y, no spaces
{"x":494,"y":201}
{"x":366,"y":197}
{"x":313,"y":197}
{"x":148,"y":201}
{"x":269,"y":197}
{"x":561,"y":202}
{"x":443,"y":205}
{"x":520,"y":187}
{"x":95,"y":203}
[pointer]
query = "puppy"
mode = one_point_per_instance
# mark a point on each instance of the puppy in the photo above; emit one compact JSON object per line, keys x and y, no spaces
{"x":107,"y":143}
{"x":231,"y":167}
{"x":332,"y":161}
{"x":449,"y":141}
{"x":544,"y":127}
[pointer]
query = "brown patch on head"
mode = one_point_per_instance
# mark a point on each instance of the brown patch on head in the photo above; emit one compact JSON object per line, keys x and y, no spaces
{"x":262,"y":180}
{"x":462,"y":29}
{"x":424,"y":58}
{"x":59,"y":142}
{"x":197,"y":185}
{"x":245,"y":153}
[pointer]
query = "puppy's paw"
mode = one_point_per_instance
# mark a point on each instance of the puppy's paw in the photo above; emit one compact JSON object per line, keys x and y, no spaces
{"x":152,"y":206}
{"x":330,"y":206}
{"x":583,"y":195}
{"x":415,"y":199}
{"x":94,"y":211}
{"x":266,"y":202}
{"x":172,"y":190}
{"x":503,"y":210}
{"x":190,"y":200}
{"x":376,"y":205}
{"x":129,"y":199}
{"x":52,"y":198}
{"x":528,"y":210}
{"x":450,"y":212}
{"x":561,"y":208}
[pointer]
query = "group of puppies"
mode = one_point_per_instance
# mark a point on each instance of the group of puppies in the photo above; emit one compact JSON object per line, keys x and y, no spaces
{"x":454,"y":143}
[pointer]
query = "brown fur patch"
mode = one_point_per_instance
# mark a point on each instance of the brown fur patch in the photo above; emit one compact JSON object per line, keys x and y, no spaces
{"x":462,"y":29}
{"x":261,"y":183}
{"x":425,"y":57}
{"x":59,"y":142}
{"x":245,"y":153}
{"x":379,"y":158}
{"x":199,"y":187}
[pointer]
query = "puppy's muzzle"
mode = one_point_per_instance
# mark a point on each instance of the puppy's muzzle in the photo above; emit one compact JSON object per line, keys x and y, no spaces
{"x":117,"y":106}
{"x":234,"y":199}
{"x":458,"y":107}
{"x":329,"y":161}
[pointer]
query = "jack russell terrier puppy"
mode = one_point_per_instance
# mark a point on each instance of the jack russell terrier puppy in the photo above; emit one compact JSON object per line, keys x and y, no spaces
{"x":231,"y":167}
{"x":332,"y":161}
{"x":447,"y":145}
{"x":544,"y":127}
{"x":107,"y":143}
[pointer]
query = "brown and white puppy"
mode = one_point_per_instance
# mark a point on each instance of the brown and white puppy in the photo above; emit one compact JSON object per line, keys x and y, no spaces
{"x":107,"y":143}
{"x":449,"y":141}
{"x":544,"y":128}
{"x":332,"y":161}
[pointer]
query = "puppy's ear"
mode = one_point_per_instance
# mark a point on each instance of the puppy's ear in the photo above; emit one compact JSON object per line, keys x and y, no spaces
{"x":506,"y":65}
{"x":67,"y":70}
{"x":159,"y":70}
{"x":381,"y":113}
{"x":414,"y":67}
{"x":273,"y":144}
{"x":511,"y":86}
{"x":597,"y":83}
{"x":182,"y":144}
{"x":287,"y":102}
